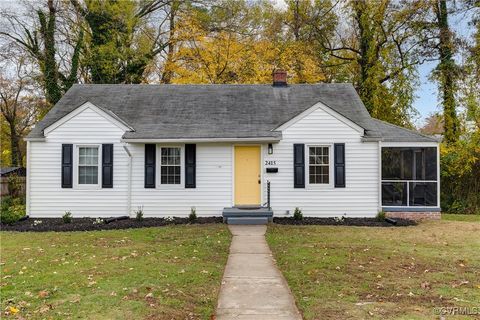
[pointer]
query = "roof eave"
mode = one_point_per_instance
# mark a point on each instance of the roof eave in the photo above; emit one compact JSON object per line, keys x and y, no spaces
{"x":194,"y":140}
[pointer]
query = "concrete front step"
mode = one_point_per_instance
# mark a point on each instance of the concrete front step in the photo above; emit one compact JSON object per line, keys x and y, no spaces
{"x":246,"y":212}
{"x":247,"y":220}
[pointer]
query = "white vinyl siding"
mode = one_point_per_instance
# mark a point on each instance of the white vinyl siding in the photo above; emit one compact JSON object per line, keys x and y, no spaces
{"x":213,"y":189}
{"x":360,"y":196}
{"x":49,"y":199}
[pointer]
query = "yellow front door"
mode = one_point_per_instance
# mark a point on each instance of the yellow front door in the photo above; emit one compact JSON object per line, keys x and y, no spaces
{"x":247,"y":175}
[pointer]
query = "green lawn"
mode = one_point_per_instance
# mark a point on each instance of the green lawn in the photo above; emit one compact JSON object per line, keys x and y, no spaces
{"x":461,"y":217}
{"x":379,"y":273}
{"x":170,"y":272}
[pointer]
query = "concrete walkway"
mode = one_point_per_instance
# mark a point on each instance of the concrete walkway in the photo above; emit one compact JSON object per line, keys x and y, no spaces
{"x":252,"y":286}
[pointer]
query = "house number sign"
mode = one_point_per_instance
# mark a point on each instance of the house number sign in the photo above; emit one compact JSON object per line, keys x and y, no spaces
{"x":270,"y":162}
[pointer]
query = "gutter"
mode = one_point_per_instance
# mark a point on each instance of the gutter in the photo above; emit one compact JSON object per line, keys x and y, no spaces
{"x":34,"y":139}
{"x":182,"y":140}
{"x":372,"y":139}
{"x":129,"y":187}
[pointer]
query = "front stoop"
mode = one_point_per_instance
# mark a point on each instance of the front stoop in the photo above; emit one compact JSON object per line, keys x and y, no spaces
{"x":246,"y":216}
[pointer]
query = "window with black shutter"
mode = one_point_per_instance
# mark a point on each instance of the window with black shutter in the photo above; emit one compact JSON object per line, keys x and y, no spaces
{"x":299,"y":165}
{"x":67,"y":165}
{"x":107,"y":166}
{"x":150,"y":151}
{"x":190,"y":166}
{"x":339,"y":165}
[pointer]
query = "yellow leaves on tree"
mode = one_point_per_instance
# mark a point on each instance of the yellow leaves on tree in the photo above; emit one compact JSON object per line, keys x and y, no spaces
{"x":226,"y":56}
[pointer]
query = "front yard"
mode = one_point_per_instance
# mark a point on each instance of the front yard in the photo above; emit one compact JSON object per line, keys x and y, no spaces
{"x":172,"y":272}
{"x":380,"y":273}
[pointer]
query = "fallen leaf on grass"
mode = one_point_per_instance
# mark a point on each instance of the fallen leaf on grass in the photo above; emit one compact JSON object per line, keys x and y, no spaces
{"x":461,"y":283}
{"x":362,"y":303}
{"x":43,"y":294}
{"x":425,"y":285}
{"x":13,"y":310}
{"x":75,"y":300}
{"x":45,"y":308}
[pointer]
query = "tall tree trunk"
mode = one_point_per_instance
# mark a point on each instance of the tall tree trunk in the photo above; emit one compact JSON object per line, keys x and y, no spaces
{"x":447,"y":73}
{"x":16,"y":155}
{"x":365,"y":42}
{"x":168,"y":72}
{"x":53,"y":91}
{"x":296,"y":33}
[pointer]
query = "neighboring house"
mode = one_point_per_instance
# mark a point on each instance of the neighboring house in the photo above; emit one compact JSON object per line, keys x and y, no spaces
{"x":106,"y":150}
{"x":12,"y":178}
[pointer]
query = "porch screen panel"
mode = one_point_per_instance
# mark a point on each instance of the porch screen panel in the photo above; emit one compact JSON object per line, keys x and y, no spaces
{"x":409,"y":176}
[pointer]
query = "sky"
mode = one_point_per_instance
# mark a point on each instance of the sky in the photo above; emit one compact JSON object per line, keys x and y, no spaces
{"x":427,"y":101}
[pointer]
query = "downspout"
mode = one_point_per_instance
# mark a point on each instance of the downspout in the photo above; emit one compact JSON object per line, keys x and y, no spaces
{"x":27,"y":178}
{"x":379,"y":176}
{"x":129,"y":187}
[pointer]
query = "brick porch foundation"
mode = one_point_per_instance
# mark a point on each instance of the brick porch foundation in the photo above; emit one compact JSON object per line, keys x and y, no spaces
{"x":415,"y":215}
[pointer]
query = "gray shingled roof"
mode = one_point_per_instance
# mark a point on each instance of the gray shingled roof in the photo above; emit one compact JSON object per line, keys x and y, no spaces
{"x":393,"y":133}
{"x":210,"y":111}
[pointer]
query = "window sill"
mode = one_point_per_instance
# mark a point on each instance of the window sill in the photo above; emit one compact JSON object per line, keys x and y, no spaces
{"x":319,"y":186}
{"x":169,"y":187}
{"x":95,"y":187}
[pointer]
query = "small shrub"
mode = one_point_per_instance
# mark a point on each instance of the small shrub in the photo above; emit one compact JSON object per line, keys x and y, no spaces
{"x":12,"y":214}
{"x":381,"y":215}
{"x":67,"y":217}
{"x":16,"y":185}
{"x":7,"y":202}
{"x":139,"y":214}
{"x":193,"y":214}
{"x":297,"y":214}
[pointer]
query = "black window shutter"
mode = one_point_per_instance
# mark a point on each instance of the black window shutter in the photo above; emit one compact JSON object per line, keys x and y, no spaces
{"x":299,"y":166}
{"x":67,"y":165}
{"x":339,"y":155}
{"x":150,"y":156}
{"x":190,"y":163}
{"x":107,"y":165}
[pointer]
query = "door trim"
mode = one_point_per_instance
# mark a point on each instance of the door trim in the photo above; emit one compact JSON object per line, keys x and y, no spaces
{"x":262,"y":147}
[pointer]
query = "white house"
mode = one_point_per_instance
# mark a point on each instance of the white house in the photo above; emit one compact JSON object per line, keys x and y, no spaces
{"x":106,"y":150}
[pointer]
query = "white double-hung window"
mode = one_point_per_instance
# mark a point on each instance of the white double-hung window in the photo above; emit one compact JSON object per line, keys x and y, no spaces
{"x":88,"y":165}
{"x":319,"y":165}
{"x":170,"y":165}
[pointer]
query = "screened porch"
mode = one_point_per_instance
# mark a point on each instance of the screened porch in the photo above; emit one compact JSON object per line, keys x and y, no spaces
{"x":410,"y":178}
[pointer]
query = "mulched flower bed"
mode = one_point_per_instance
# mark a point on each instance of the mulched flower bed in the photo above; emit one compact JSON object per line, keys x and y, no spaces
{"x":90,"y":224}
{"x":361,"y":222}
